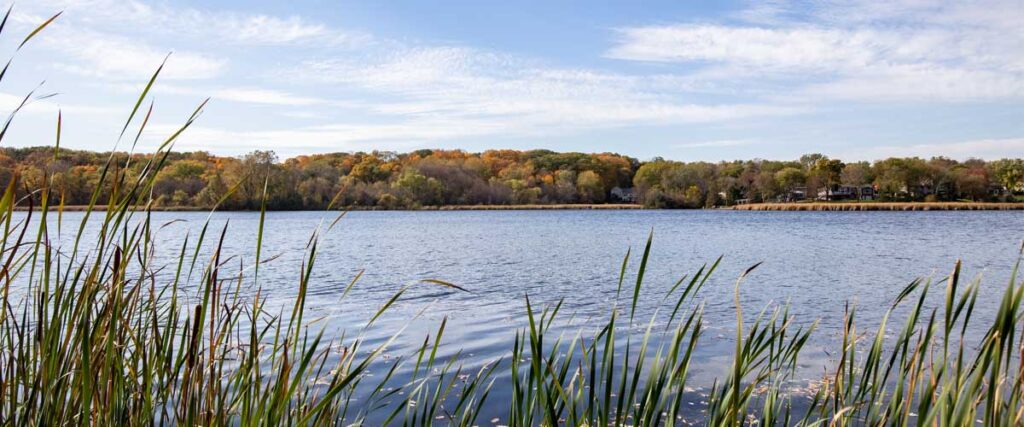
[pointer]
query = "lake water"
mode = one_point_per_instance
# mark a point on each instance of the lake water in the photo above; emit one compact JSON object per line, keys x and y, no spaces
{"x":815,"y":261}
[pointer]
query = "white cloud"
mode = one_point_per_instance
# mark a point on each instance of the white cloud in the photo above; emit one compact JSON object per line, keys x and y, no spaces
{"x":922,"y":82}
{"x":127,"y":39}
{"x":335,"y":137}
{"x":265,"y":96}
{"x":992,"y":14}
{"x":796,"y":49}
{"x":270,"y":30}
{"x":472,"y":84}
{"x":873,"y":51}
{"x":241,"y":94}
{"x":119,"y":58}
{"x":207,"y":26}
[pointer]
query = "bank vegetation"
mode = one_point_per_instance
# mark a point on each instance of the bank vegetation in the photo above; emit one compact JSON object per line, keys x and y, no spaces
{"x":433,"y":178}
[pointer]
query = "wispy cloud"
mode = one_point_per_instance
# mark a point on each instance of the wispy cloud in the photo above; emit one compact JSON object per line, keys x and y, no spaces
{"x":334,"y":137}
{"x":899,"y":51}
{"x":470,"y":84}
{"x":207,"y":26}
{"x":127,"y":39}
{"x":266,"y":96}
{"x":113,"y":57}
{"x":988,"y":149}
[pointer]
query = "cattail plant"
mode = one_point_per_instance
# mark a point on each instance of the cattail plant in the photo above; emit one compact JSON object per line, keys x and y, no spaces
{"x":96,"y":331}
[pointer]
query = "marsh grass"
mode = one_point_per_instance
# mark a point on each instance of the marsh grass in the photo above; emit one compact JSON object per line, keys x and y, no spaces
{"x":96,"y":332}
{"x":881,"y":206}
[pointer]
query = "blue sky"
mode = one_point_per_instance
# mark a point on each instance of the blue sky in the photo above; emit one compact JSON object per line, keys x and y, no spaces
{"x":860,"y":80}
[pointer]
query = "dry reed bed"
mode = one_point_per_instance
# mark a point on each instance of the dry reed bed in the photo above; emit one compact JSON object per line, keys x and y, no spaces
{"x":610,"y":206}
{"x":900,"y":206}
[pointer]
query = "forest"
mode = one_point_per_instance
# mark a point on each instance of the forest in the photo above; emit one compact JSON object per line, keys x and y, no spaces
{"x":430,"y":178}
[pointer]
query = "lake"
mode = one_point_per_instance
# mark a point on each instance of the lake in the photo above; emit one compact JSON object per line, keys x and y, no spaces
{"x":815,"y":261}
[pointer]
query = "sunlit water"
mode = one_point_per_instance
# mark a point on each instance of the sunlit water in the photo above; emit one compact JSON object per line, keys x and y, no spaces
{"x":817,"y":262}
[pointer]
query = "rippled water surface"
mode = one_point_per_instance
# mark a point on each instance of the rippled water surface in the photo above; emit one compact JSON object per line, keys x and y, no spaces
{"x":815,"y":261}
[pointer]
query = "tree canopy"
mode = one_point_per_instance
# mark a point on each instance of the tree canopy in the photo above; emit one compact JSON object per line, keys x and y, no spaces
{"x":384,"y":179}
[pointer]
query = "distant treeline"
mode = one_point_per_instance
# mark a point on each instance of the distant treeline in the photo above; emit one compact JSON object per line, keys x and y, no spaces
{"x":390,"y":180}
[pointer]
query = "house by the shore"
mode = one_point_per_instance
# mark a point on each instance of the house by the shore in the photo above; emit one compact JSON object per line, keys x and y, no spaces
{"x":624,"y":195}
{"x":848,"y":192}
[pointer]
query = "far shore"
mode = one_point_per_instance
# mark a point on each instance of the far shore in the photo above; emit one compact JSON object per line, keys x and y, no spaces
{"x":881,"y":206}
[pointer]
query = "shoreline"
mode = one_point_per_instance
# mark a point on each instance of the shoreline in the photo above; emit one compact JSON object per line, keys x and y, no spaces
{"x":774,"y":207}
{"x":603,"y":206}
{"x":881,"y":206}
{"x":608,"y":206}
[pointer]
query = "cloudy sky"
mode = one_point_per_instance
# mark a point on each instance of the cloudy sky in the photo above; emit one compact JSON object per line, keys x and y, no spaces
{"x":681,"y":80}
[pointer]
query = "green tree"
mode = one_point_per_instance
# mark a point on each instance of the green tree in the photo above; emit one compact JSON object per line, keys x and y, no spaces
{"x":829,"y":172}
{"x":809,"y":160}
{"x":789,"y":178}
{"x":590,"y":187}
{"x":424,"y":190}
{"x":1009,"y":173}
